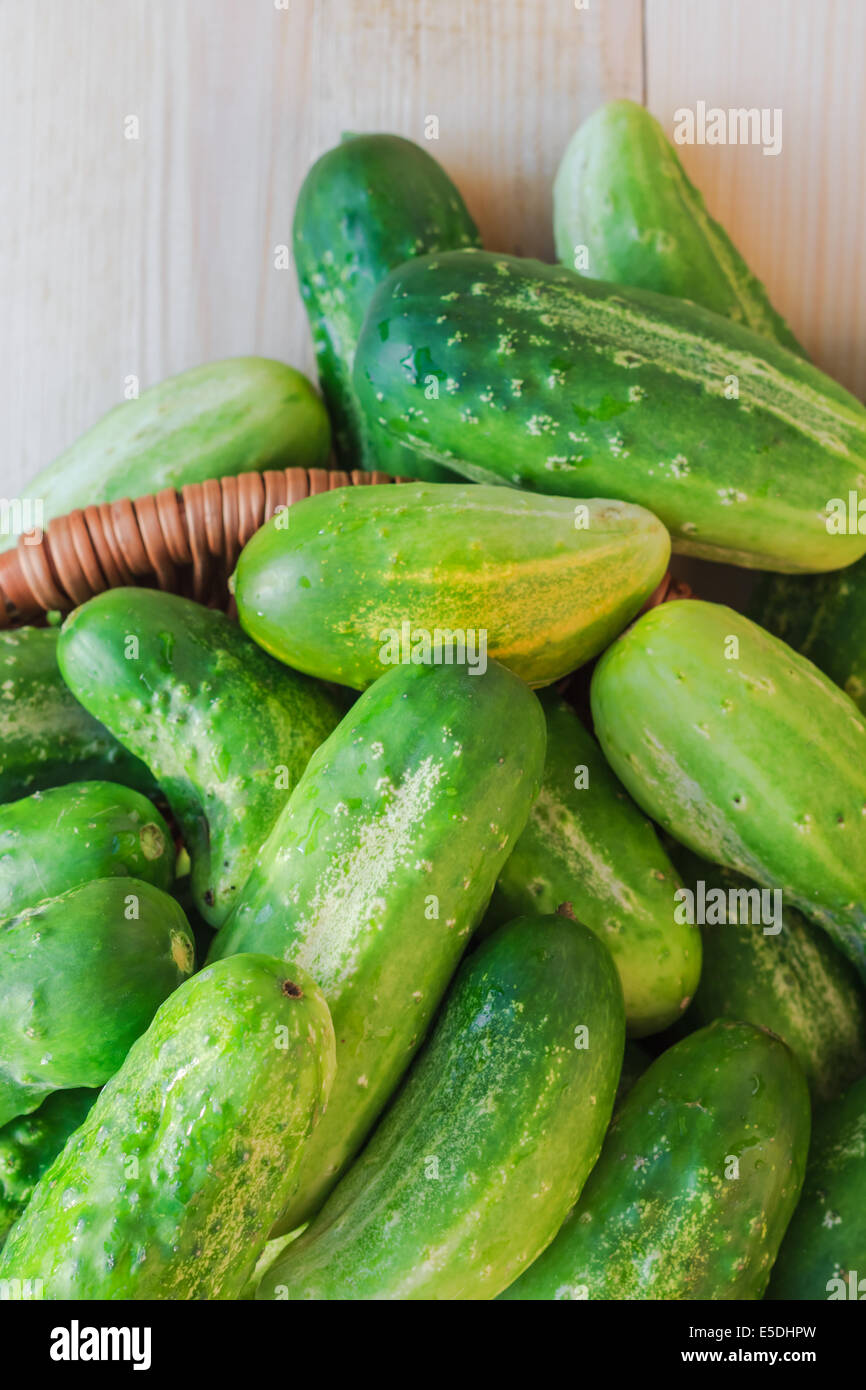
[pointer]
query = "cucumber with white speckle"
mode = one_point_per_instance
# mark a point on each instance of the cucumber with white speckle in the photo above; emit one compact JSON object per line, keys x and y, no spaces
{"x":514,"y":372}
{"x":697,"y":1180}
{"x":587,"y":844}
{"x":379,"y":868}
{"x":167,"y":1189}
{"x":487,"y":1145}
{"x":226,"y":730}
{"x":744,"y":752}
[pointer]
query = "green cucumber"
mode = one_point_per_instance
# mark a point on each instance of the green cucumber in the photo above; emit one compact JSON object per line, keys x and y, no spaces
{"x":225,"y":730}
{"x":46,"y":737}
{"x":782,"y":973}
{"x":587,"y":844}
{"x":745,"y":753}
{"x":30,"y":1143}
{"x":697,"y":1180}
{"x":366,"y":206}
{"x":83,"y":975}
{"x":486,"y":1147}
{"x":622,"y":195}
{"x":823,"y":617}
{"x":363,"y":577}
{"x":60,"y":838}
{"x":241,"y":414}
{"x":823,"y":1255}
{"x":379,"y":868}
{"x":167,"y":1188}
{"x":530,"y":375}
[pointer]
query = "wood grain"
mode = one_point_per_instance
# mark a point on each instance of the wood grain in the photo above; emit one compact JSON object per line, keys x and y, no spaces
{"x":142,"y":257}
{"x":508,"y":82}
{"x":797,"y":217}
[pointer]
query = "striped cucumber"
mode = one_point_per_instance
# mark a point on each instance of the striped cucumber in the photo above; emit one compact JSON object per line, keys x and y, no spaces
{"x":766,"y":964}
{"x":745,"y":753}
{"x":379,"y":868}
{"x":226,"y":731}
{"x":83,"y":975}
{"x":167,"y":1189}
{"x":58,"y":839}
{"x":223,"y":418}
{"x":487,"y":1145}
{"x":823,"y":1255}
{"x":824,"y":617}
{"x":366,"y":206}
{"x":363,"y":577}
{"x":587,"y":844}
{"x":622,"y":195}
{"x":514,"y":372}
{"x":697,"y":1180}
{"x":46,"y":737}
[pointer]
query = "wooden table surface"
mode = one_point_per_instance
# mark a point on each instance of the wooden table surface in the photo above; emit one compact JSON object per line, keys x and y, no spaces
{"x":138,"y":257}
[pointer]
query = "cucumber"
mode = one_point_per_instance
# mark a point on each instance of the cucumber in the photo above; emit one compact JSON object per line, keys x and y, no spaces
{"x":823,"y":1255}
{"x":697,"y":1180}
{"x":380,"y":867}
{"x":364,"y":577}
{"x":241,"y":414}
{"x":225,"y":730}
{"x":623,"y":195}
{"x":487,"y":1145}
{"x":167,"y":1189}
{"x":46,"y":737}
{"x":58,"y":839}
{"x":745,"y":753}
{"x":30,"y":1143}
{"x":823,"y":617}
{"x":366,"y":206}
{"x":514,"y":372}
{"x":783,"y":974}
{"x":83,"y":975}
{"x":587,"y":844}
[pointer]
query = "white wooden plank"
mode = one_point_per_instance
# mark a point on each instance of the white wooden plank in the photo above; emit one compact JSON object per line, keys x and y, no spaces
{"x":509,"y":81}
{"x":141,"y":257}
{"x":797,"y":217}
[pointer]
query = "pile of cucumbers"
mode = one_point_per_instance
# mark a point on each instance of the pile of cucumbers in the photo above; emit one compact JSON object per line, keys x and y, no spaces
{"x":360,"y":949}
